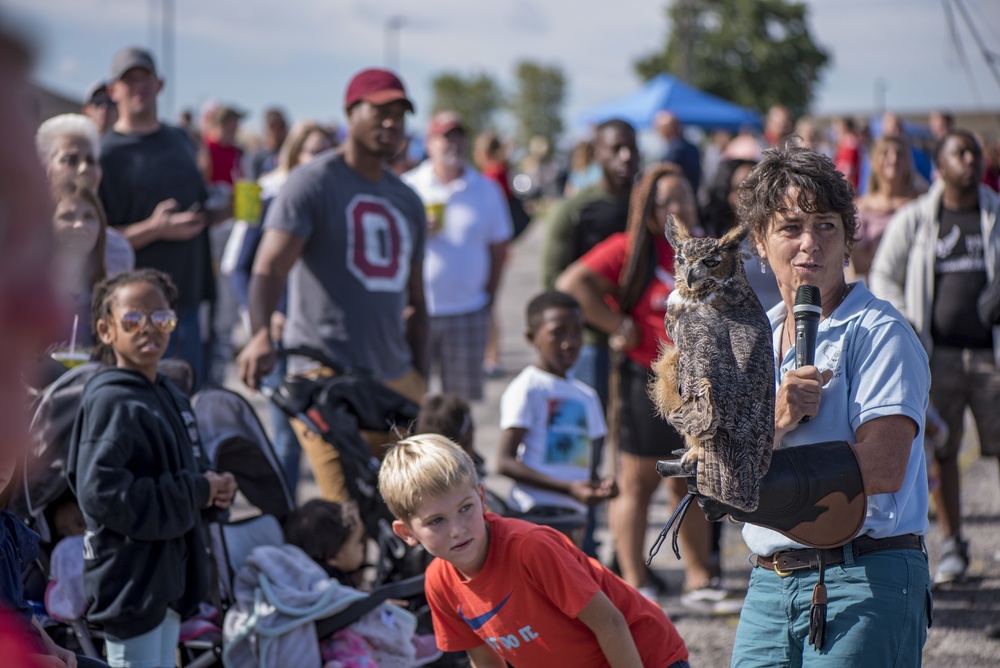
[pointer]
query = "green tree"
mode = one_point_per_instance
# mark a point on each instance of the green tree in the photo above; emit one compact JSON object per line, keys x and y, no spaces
{"x":475,"y":98}
{"x":538,"y":101}
{"x":753,"y":52}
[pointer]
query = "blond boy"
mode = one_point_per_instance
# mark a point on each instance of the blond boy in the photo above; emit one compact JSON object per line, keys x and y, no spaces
{"x":507,"y":590}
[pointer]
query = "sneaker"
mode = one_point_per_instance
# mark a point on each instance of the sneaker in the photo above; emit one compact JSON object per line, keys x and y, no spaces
{"x":954,"y":561}
{"x":427,"y":650}
{"x":493,"y":371}
{"x":712,"y":598}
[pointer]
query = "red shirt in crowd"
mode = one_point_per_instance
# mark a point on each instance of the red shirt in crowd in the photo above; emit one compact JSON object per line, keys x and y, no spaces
{"x":225,"y":162}
{"x":607,"y":259}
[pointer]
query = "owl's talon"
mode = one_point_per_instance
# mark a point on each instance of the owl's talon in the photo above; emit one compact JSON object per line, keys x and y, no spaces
{"x":690,"y":458}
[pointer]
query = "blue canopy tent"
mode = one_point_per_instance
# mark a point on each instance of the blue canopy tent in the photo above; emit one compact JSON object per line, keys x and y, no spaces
{"x":692,"y":106}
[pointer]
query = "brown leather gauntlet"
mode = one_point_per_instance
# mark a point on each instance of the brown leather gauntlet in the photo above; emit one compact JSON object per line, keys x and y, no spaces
{"x":812,"y":494}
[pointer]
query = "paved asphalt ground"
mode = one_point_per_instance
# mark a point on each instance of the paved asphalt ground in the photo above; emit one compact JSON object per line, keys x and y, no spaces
{"x":961,"y":611}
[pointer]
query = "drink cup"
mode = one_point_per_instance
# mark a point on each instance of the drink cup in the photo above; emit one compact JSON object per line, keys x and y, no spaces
{"x":435,"y":216}
{"x":71,"y":359}
{"x":246,"y":202}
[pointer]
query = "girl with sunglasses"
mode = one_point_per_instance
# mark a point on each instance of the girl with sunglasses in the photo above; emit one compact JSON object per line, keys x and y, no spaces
{"x":137,"y":469}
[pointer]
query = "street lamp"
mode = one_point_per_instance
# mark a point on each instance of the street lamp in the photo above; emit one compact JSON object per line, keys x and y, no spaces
{"x":881,"y":87}
{"x":393,"y":26}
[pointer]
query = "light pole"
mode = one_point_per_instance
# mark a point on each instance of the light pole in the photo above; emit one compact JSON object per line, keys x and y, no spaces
{"x":881,"y":87}
{"x":168,"y":55}
{"x":165,"y":54}
{"x":393,"y":27}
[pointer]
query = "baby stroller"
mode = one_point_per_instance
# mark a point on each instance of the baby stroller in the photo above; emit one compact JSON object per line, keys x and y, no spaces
{"x":235,"y":441}
{"x":338,"y":408}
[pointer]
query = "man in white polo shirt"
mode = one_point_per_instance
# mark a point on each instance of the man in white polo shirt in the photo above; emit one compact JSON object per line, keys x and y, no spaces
{"x":468,"y":226}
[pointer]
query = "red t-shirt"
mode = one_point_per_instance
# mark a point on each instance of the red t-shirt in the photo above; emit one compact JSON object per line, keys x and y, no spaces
{"x":225,"y":161}
{"x":847,"y":158}
{"x":497,"y":172}
{"x":525,"y":601}
{"x":607,"y":259}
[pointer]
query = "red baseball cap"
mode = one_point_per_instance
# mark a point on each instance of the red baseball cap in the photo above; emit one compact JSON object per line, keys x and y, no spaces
{"x":444,"y":122}
{"x":376,"y":86}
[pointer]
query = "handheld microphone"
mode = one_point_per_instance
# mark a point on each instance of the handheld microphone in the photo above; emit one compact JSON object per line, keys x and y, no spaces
{"x":807,"y":311}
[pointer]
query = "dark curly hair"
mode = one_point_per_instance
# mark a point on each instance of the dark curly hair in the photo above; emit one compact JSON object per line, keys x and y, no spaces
{"x":822,"y":188}
{"x":104,"y":296}
{"x":445,"y":414}
{"x":320,"y":528}
{"x":542,"y":302}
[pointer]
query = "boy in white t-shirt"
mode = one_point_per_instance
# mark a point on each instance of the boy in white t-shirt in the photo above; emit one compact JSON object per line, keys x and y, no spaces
{"x":552,"y":424}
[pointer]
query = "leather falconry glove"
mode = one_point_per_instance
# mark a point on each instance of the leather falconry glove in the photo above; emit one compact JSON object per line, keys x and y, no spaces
{"x":811,"y":493}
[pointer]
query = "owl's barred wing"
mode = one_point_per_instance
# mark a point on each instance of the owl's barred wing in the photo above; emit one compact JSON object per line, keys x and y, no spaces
{"x":731,"y":364}
{"x":696,"y":414}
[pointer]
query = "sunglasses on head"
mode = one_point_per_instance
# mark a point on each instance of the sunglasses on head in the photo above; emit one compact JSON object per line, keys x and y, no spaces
{"x":164,"y":320}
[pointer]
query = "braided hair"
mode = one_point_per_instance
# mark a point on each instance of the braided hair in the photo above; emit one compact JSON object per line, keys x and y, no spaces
{"x":640,"y":259}
{"x":104,"y":296}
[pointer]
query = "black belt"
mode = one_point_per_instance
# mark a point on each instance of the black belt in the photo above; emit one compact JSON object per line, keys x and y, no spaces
{"x":785,"y":562}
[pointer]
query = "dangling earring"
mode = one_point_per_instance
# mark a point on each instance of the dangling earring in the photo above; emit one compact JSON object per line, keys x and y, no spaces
{"x":763,"y":266}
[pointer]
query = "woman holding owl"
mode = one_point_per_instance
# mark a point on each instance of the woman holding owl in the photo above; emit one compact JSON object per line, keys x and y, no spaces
{"x":623,"y":284}
{"x":868,"y":390}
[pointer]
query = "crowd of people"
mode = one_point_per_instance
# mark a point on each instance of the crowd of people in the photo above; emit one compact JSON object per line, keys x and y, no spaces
{"x":335,"y":242}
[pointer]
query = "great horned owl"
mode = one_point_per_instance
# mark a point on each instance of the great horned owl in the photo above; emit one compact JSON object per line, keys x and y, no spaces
{"x":715,"y":384}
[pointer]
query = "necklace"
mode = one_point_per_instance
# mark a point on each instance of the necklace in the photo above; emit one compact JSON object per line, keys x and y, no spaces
{"x":787,"y":335}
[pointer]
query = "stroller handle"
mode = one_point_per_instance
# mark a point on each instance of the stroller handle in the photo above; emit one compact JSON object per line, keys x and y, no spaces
{"x":312,"y":354}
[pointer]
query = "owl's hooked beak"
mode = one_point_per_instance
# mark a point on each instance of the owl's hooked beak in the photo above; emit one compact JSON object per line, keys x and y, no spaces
{"x":695,"y":274}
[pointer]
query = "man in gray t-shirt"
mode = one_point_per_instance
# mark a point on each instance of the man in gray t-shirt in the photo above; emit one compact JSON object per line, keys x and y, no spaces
{"x":347,"y":293}
{"x":357,"y":235}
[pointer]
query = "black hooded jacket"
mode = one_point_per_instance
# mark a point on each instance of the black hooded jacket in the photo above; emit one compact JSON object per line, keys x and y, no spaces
{"x":135,"y":465}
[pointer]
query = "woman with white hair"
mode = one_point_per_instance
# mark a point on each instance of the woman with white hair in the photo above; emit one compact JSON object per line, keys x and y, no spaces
{"x":67,"y":147}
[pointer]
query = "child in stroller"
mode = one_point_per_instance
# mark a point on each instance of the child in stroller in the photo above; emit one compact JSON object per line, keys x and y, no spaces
{"x":256,"y":570}
{"x":335,"y":539}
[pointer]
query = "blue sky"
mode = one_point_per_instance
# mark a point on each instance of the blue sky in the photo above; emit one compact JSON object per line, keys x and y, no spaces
{"x":301,"y":53}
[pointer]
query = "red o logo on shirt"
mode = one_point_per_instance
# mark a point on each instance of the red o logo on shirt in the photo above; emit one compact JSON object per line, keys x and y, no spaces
{"x":378,"y":244}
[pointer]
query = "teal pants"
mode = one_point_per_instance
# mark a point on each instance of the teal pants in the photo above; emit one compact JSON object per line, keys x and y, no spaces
{"x":879,"y":609}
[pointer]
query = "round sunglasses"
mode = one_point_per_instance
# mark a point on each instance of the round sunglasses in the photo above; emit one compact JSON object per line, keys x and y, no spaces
{"x":164,"y":320}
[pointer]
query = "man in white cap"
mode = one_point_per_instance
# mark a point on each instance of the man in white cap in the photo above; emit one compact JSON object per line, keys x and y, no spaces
{"x":154,"y":194}
{"x":468,"y":228}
